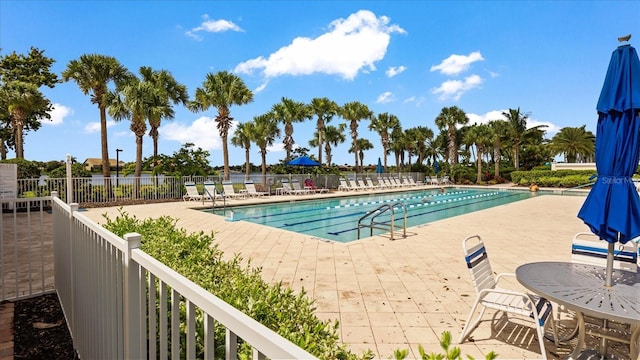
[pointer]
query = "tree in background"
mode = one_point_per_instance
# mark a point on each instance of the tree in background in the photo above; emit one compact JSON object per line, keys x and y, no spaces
{"x":482,"y":137}
{"x":242,"y":138}
{"x":398,"y":144}
{"x":383,"y":124}
{"x":222,"y":90}
{"x":447,"y":120}
{"x":166,"y":90}
{"x":333,"y":135}
{"x":499,"y":128}
{"x":287,"y":112}
{"x":24,"y":106}
{"x":576,"y":144}
{"x":93,"y":73}
{"x":264,"y":134}
{"x":353,"y":112}
{"x":187,"y":161}
{"x":325,"y":110}
{"x":362,"y":146}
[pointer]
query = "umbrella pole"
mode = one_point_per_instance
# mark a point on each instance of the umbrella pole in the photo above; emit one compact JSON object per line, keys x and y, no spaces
{"x":609,"y":271}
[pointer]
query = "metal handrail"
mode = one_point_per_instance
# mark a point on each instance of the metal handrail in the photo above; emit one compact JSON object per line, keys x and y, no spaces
{"x":213,"y":199}
{"x":373,"y":214}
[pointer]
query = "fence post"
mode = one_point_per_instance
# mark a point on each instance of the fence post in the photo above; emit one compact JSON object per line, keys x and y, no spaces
{"x":69,"y":184}
{"x":131,"y":302}
{"x":71,"y":244}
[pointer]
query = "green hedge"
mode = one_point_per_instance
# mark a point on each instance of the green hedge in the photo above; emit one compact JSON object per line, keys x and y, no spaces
{"x":551,"y":178}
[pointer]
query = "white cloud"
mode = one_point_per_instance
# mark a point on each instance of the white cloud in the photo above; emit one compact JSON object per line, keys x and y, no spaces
{"x":213,"y":26}
{"x":202,"y":132}
{"x":497,"y":115}
{"x":453,"y":89}
{"x":385,"y":97}
{"x":261,"y":87}
{"x":277,"y":147}
{"x":416,"y":100}
{"x":393,"y":71}
{"x":58,"y":114}
{"x":93,"y":127}
{"x":351,"y":45}
{"x":455,"y":64}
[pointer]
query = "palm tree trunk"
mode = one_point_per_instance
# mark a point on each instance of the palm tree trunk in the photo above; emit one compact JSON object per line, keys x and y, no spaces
{"x":496,"y":156}
{"x":225,"y":154}
{"x":247,"y":168}
{"x":479,"y":175}
{"x":18,"y":124}
{"x":263,"y":155}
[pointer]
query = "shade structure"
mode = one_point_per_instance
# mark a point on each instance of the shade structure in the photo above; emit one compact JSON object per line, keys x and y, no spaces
{"x":379,"y":168}
{"x":436,"y":167}
{"x":612,"y":207}
{"x":303,"y":161}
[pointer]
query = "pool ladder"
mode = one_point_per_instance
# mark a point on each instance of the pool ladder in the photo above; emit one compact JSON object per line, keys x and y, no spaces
{"x":387,"y":225}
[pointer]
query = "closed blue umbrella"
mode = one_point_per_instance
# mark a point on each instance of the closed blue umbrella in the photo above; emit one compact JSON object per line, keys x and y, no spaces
{"x":379,"y":168}
{"x":436,"y":167}
{"x":612,"y":208}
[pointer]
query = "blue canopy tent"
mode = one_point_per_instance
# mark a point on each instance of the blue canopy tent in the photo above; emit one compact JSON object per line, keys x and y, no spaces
{"x":612,"y":208}
{"x":303,"y":161}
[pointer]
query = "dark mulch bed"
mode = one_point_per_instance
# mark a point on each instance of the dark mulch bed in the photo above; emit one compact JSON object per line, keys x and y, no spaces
{"x":40,"y":330}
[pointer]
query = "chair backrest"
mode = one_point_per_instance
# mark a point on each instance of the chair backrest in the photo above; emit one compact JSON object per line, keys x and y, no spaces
{"x":477,"y":260}
{"x":587,"y":248}
{"x":210,"y":186}
{"x":286,"y":185}
{"x":192,"y":190}
{"x":296,"y":185}
{"x":250,"y":186}
{"x":228,"y":187}
{"x":343,"y":183}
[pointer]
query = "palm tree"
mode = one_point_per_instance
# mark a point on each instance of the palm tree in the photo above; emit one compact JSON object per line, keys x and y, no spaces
{"x":382,"y":124}
{"x":265,"y":131}
{"x":133,"y":103}
{"x":422,"y":135}
{"x":353,"y":112}
{"x":222,"y":90}
{"x":448,"y":119}
{"x":93,"y":73}
{"x":287,"y":112}
{"x":576,"y":143}
{"x":481,"y":136}
{"x":398,"y":145}
{"x":333,"y":136}
{"x":325,"y":110}
{"x":22,"y":100}
{"x":168,"y":90}
{"x":363,"y":144}
{"x":242,"y":138}
{"x":499,"y":128}
{"x":517,"y":130}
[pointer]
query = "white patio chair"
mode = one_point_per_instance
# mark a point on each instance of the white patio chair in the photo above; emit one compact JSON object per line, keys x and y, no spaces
{"x":297,"y":188}
{"x":287,"y":189}
{"x":445,"y":181}
{"x":587,"y":248}
{"x":230,"y":193}
{"x":251,"y":189}
{"x":489,"y":295}
{"x":192,"y":192}
{"x":344,"y":186}
{"x":210,"y":191}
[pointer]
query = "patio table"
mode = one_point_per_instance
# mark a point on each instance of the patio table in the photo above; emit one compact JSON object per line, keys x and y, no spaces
{"x":580,"y":287}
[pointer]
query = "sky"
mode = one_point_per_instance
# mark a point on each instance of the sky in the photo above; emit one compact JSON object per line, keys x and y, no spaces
{"x":406,"y":58}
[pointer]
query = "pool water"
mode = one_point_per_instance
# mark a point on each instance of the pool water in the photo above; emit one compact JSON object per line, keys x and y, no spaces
{"x":336,"y":219}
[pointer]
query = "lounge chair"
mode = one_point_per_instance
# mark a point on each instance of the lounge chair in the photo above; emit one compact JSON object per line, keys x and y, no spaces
{"x":360,"y":184}
{"x":311,"y":186}
{"x":192,"y":192}
{"x":288,"y":190}
{"x":445,"y":181}
{"x":210,"y":191}
{"x":344,"y":186}
{"x":230,"y":193}
{"x":370,"y":184}
{"x":251,"y":189}
{"x":489,"y":295}
{"x":295,"y":183}
{"x":353,"y":184}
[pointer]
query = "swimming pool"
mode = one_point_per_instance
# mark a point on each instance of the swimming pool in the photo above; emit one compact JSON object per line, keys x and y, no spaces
{"x":336,"y":219}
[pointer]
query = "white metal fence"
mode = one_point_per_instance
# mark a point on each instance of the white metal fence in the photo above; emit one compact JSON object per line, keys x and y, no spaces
{"x":100,"y":190}
{"x":120,"y":303}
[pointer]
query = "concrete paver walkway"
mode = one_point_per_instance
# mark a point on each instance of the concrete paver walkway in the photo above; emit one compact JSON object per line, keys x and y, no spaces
{"x":399,"y":294}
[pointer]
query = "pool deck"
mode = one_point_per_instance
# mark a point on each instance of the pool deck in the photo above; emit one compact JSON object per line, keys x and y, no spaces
{"x":399,"y":294}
